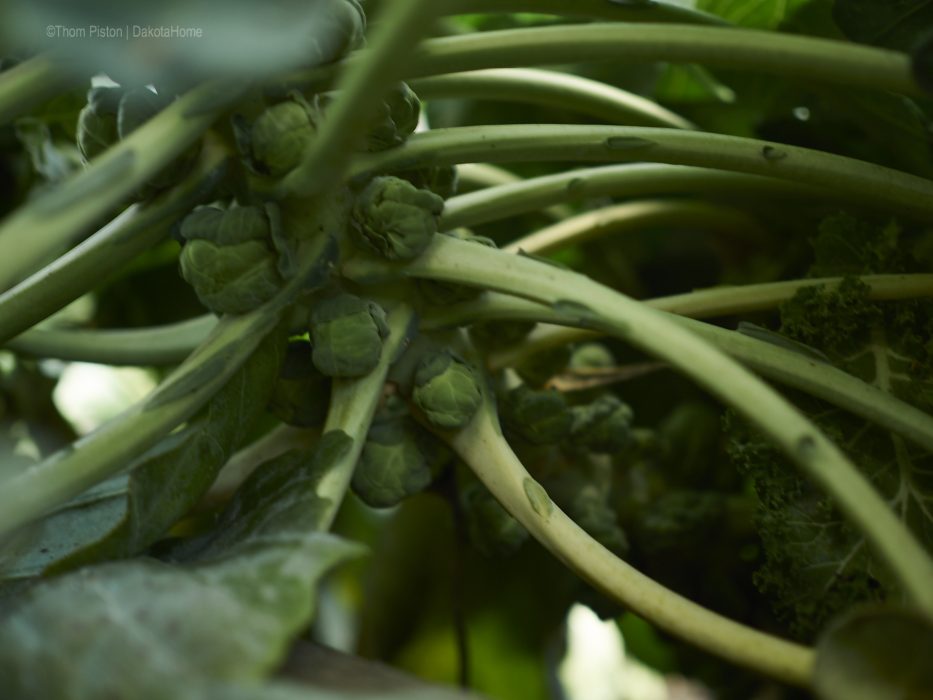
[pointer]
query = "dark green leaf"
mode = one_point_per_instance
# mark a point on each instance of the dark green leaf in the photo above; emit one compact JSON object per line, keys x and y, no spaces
{"x":896,"y":24}
{"x":761,"y":14}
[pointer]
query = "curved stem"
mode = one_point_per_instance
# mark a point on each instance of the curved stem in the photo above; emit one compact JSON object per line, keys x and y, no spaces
{"x":477,"y":176}
{"x":31,"y":83}
{"x":38,"y":231}
{"x":636,"y":216}
{"x":361,"y":87}
{"x":85,"y":266}
{"x":780,"y":364}
{"x":627,"y":179}
{"x":601,"y":308}
{"x":551,"y":89}
{"x":804,"y":58}
{"x":482,"y":446}
{"x":159,"y":345}
{"x":859,"y":181}
{"x":352,"y":407}
{"x":597,"y":9}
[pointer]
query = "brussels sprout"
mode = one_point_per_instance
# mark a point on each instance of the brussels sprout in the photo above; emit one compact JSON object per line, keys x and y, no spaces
{"x":301,"y":394}
{"x":499,"y":334}
{"x":280,"y":136}
{"x":588,"y":505}
{"x":399,"y":117}
{"x":392,"y":465}
{"x":541,"y":417}
{"x":97,"y":122}
{"x":540,"y":367}
{"x":226,"y":226}
{"x":492,"y":530}
{"x":230,"y":279}
{"x":137,"y":106}
{"x":591,"y":356}
{"x":347,"y":334}
{"x":442,"y":180}
{"x":447,"y":390}
{"x":396,"y":219}
{"x":602,"y":426}
{"x":446,"y":293}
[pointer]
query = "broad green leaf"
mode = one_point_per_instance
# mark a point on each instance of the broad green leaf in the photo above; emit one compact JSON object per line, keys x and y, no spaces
{"x":141,"y":629}
{"x":126,"y":514}
{"x":896,"y":24}
{"x":875,"y":653}
{"x":760,"y":14}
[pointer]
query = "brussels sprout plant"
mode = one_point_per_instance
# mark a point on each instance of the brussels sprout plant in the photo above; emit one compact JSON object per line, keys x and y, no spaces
{"x":447,"y":342}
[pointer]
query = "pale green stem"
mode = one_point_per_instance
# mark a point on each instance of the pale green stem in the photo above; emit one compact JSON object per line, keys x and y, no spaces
{"x":91,"y":262}
{"x":159,"y":345}
{"x":780,"y":364}
{"x":627,"y":180}
{"x":800,"y":57}
{"x":481,"y":445}
{"x":31,"y":83}
{"x":477,"y":176}
{"x":597,"y":9}
{"x":360,"y":91}
{"x":551,"y":89}
{"x":859,"y":181}
{"x":601,"y":308}
{"x":38,"y":231}
{"x":638,"y":216}
{"x":352,"y":407}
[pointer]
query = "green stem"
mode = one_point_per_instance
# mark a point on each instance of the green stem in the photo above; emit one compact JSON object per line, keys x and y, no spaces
{"x":159,"y":345}
{"x":551,"y":89}
{"x":478,"y":176}
{"x":862,"y":182}
{"x":783,"y":365}
{"x":84,"y":267}
{"x":800,"y":57}
{"x":627,"y":179}
{"x":482,"y":446}
{"x":360,"y":90}
{"x":352,"y":407}
{"x":638,"y":216}
{"x":597,"y":9}
{"x":31,"y":83}
{"x":601,"y":308}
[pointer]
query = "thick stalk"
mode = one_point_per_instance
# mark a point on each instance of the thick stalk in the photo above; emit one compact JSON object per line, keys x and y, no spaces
{"x":799,"y":57}
{"x":40,"y":230}
{"x":597,"y":9}
{"x":639,"y":216}
{"x":859,"y":181}
{"x":477,"y":176}
{"x":352,"y":407}
{"x":159,"y":345}
{"x":87,"y":265}
{"x":361,"y":88}
{"x":552,"y":89}
{"x":774,"y":362}
{"x":601,"y":308}
{"x":481,"y":445}
{"x":626,"y":180}
{"x":31,"y":83}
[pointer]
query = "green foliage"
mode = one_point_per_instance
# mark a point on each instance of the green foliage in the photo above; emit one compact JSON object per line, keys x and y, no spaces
{"x":446,"y":389}
{"x":400,"y":111}
{"x":395,"y":219}
{"x":540,"y":417}
{"x":603,"y":425}
{"x":281,"y":135}
{"x":492,"y":530}
{"x":766,"y":14}
{"x":346,"y":335}
{"x":230,"y":279}
{"x":816,"y":564}
{"x":97,"y":123}
{"x":300,"y":394}
{"x":224,"y":227}
{"x":897,"y":24}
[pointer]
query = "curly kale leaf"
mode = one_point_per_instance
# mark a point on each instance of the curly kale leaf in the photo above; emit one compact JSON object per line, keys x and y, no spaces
{"x":815,"y":563}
